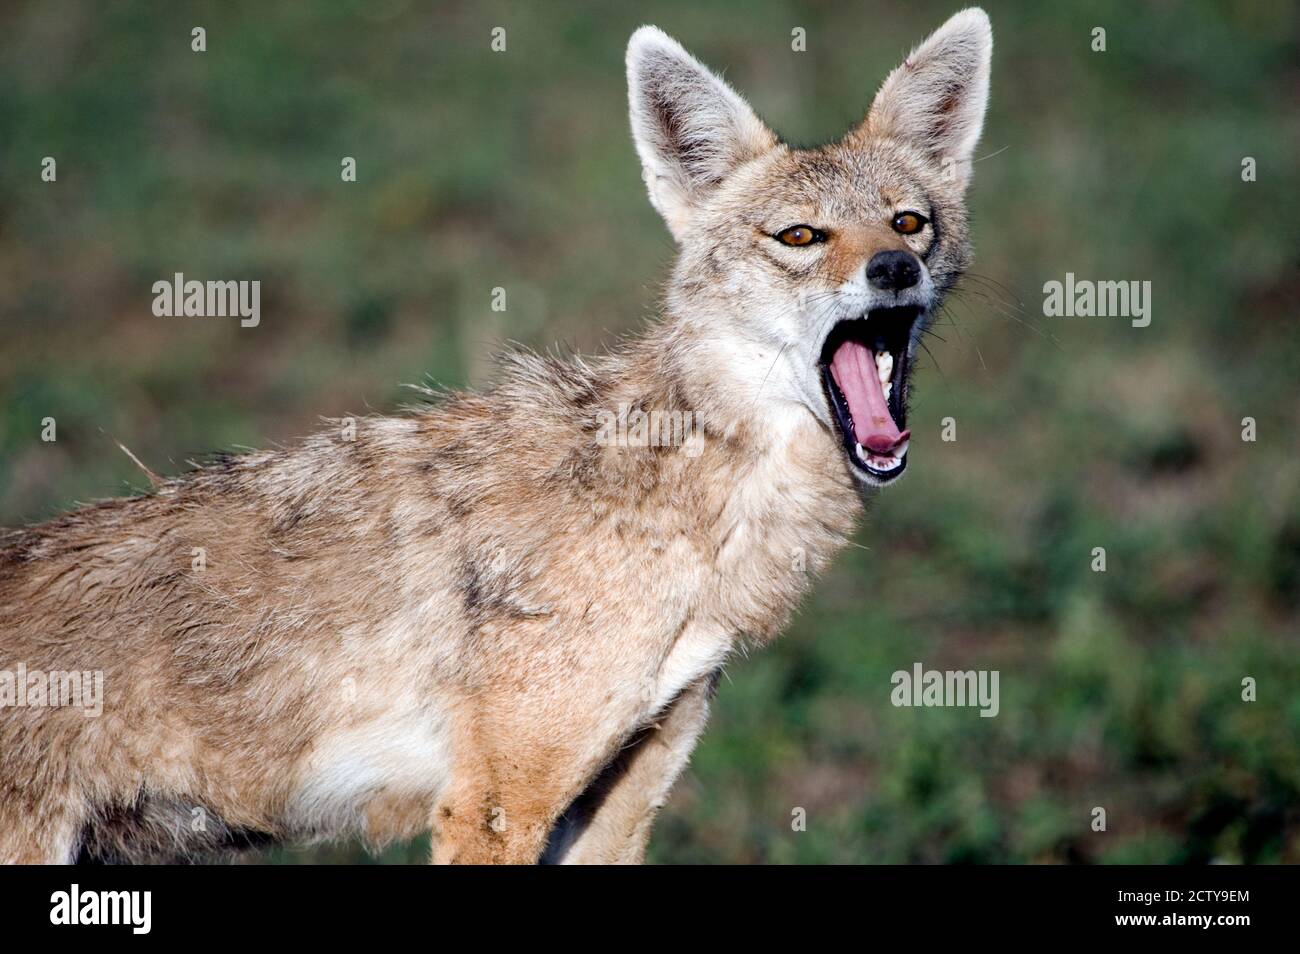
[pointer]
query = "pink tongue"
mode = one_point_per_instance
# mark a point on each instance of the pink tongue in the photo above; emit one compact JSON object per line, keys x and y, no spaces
{"x":854,"y":369}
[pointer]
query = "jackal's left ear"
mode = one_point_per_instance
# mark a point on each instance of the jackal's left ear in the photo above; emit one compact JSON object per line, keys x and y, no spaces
{"x":691,"y":128}
{"x":936,"y":99}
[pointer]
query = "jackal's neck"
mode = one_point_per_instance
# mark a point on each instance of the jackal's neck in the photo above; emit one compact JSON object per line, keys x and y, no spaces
{"x":761,"y":488}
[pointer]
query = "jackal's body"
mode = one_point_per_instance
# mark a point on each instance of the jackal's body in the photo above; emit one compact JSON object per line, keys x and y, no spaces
{"x":378,"y":617}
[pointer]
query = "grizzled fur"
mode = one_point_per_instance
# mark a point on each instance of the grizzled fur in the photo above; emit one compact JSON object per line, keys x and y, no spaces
{"x":477,"y":618}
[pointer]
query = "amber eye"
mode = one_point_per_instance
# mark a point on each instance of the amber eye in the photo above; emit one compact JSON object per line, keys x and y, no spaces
{"x":800,"y":235}
{"x":909,"y":223}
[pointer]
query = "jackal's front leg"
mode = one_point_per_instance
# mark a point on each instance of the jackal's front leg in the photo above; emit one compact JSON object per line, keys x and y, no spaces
{"x":46,"y":835}
{"x":611,"y":823}
{"x":494,"y":815}
{"x":512,"y":777}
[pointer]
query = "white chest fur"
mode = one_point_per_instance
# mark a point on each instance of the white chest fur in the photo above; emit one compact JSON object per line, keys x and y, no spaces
{"x":699,"y":650}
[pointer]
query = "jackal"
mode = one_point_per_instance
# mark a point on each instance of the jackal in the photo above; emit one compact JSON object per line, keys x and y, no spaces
{"x":479,"y":618}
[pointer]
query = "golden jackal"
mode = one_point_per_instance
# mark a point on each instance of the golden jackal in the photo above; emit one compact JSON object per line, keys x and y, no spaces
{"x":501,"y":617}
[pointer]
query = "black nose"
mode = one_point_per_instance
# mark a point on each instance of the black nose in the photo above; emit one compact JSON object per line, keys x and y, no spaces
{"x":893,"y":270}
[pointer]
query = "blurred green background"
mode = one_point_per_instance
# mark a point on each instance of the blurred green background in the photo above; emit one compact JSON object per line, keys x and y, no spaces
{"x":477,"y":169}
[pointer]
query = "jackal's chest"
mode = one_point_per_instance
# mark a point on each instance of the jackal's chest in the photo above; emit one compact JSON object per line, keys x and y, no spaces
{"x":745,"y":588}
{"x":746,"y":591}
{"x":375,"y":776}
{"x":699,"y":650}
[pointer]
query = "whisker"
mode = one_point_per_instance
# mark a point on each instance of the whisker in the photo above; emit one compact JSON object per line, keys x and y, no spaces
{"x":1000,"y":308}
{"x":992,"y":154}
{"x":942,"y":377}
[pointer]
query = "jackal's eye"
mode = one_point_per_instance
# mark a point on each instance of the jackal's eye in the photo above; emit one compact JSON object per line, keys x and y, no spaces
{"x":800,"y":235}
{"x":909,"y":223}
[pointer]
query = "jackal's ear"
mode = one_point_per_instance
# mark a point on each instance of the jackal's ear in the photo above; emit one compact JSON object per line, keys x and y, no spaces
{"x":691,"y":128}
{"x":936,"y":99}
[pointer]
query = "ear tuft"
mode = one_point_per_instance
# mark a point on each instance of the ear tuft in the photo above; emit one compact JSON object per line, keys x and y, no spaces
{"x":691,"y":129}
{"x":937,"y":97}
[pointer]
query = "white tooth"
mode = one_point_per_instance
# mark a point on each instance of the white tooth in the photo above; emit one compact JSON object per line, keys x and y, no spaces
{"x":888,"y":389}
{"x":884,"y":366}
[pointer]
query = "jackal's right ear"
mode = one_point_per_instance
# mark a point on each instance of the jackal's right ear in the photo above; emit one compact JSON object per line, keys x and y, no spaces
{"x":691,"y":128}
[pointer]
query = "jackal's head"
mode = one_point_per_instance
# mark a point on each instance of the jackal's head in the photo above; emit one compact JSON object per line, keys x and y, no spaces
{"x":806,"y":276}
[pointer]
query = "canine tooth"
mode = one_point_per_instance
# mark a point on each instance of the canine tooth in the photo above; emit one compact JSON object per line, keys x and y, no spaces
{"x":884,"y":366}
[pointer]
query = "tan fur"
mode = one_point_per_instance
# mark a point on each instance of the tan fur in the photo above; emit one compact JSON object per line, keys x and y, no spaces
{"x":476,"y":618}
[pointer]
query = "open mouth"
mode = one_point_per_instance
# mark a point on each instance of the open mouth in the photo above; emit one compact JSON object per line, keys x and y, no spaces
{"x":864,"y":367}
